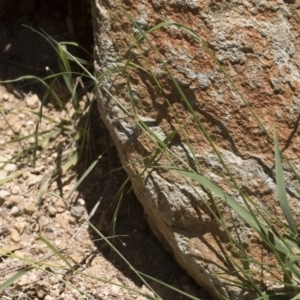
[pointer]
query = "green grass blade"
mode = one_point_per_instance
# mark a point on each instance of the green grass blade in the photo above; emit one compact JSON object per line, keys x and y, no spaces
{"x":65,"y":67}
{"x":57,"y":252}
{"x":14,"y":278}
{"x":265,"y":296}
{"x":11,"y":177}
{"x":283,"y":200}
{"x":223,"y":195}
{"x":248,"y":217}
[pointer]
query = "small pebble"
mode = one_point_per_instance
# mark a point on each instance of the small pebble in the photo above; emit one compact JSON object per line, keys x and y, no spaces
{"x":41,"y":294}
{"x":5,"y":97}
{"x":15,"y":200}
{"x":33,"y":179}
{"x":15,"y":189}
{"x":29,"y":123}
{"x":52,"y":210}
{"x":14,"y":235}
{"x":21,"y":116}
{"x":20,"y":226}
{"x":4,"y":194}
{"x":10,"y":168}
{"x":77,"y":211}
{"x":32,"y":101}
{"x":29,"y":206}
{"x":14,"y":211}
{"x":81,"y":202}
{"x":36,"y":215}
{"x":16,"y":127}
{"x":39,"y":169}
{"x":62,"y":220}
{"x":60,"y":205}
{"x":11,"y":119}
{"x":72,"y":220}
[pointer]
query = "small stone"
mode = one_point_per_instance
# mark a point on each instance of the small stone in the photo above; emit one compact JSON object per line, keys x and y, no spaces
{"x":41,"y":294}
{"x":15,"y":189}
{"x":33,"y":179}
{"x":39,"y":169}
{"x":58,"y":242}
{"x":76,"y":294}
{"x":53,"y":280}
{"x":16,"y":127}
{"x":77,"y":211}
{"x":29,"y":206}
{"x":60,"y":205}
{"x":21,"y":116}
{"x":115,"y":289}
{"x":10,"y":168}
{"x":48,"y":297}
{"x":5,"y":97}
{"x":11,"y":119}
{"x":36,"y":215}
{"x":4,"y":194}
{"x":52,"y":210}
{"x":32,"y":101}
{"x":72,"y":220}
{"x":29,"y":123}
{"x":64,"y":117}
{"x":62,"y":220}
{"x":26,"y":175}
{"x":81,"y":202}
{"x":20,"y":226}
{"x":14,"y":235}
{"x":55,"y":292}
{"x":14,"y":211}
{"x":15,"y":200}
{"x":77,"y":258}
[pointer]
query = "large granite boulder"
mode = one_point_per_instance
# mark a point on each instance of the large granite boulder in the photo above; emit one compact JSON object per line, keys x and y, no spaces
{"x":256,"y":42}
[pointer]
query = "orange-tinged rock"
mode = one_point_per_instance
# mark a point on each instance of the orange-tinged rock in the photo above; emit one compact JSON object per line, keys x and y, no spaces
{"x":256,"y":43}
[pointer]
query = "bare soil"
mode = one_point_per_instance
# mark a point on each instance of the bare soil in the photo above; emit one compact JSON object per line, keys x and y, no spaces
{"x":24,"y":214}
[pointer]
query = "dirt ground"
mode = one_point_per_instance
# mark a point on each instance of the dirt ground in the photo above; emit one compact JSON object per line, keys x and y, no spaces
{"x":24,"y":213}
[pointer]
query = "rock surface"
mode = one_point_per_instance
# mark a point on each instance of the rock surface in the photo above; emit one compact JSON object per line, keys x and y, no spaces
{"x":256,"y":42}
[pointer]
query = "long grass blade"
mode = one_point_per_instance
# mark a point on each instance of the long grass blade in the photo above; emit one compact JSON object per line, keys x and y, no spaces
{"x":283,"y":200}
{"x":248,"y":218}
{"x":11,"y":177}
{"x":14,"y":278}
{"x":56,"y":251}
